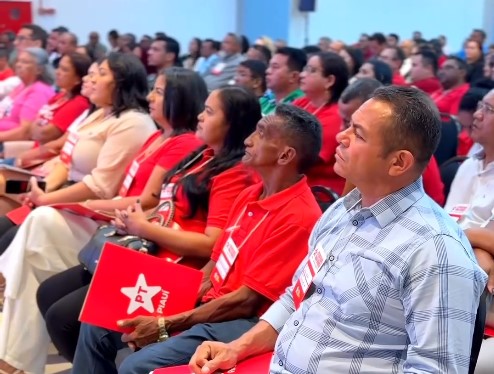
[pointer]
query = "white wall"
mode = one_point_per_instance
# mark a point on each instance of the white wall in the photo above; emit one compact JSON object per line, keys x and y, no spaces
{"x":347,"y":19}
{"x":183,"y":19}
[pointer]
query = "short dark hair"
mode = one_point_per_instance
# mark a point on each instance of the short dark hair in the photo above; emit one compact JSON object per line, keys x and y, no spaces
{"x":113,"y":34}
{"x":414,"y":125}
{"x":265,"y":51}
{"x":429,"y":58}
{"x":393,"y":35}
{"x":378,"y":37}
{"x":60,"y":29}
{"x":471,"y":98}
{"x":333,"y":64}
{"x":296,"y":58}
{"x":361,"y":89}
{"x":37,"y":33}
{"x":258,"y":70}
{"x":311,"y":49}
{"x":481,"y":32}
{"x":214,"y":44}
{"x":73,"y":37}
{"x":244,"y":44}
{"x":171,"y":46}
{"x":382,"y":71}
{"x":81,"y":64}
{"x":304,"y":132}
{"x":357,"y":56}
{"x":185,"y":94}
{"x":399,"y":54}
{"x":131,"y":86}
{"x":462,"y":65}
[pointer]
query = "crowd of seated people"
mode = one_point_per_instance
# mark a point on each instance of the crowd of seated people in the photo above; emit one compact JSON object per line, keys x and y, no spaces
{"x":235,"y":136}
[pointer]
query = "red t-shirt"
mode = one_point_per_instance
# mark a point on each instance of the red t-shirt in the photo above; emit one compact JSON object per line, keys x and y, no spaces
{"x":323,"y":174}
{"x":428,"y":85}
{"x":267,"y":258}
{"x":7,"y":73}
{"x":433,"y":184}
{"x":449,"y":101}
{"x":398,"y":79}
{"x":167,"y":156}
{"x":465,"y":143}
{"x":61,"y":113}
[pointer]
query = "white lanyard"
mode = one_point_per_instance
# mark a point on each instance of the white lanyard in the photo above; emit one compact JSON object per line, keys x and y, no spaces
{"x":230,"y":252}
{"x":315,"y":262}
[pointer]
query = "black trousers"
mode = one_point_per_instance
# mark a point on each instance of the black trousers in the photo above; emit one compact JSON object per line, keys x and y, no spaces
{"x":60,"y":299}
{"x":8,"y":229}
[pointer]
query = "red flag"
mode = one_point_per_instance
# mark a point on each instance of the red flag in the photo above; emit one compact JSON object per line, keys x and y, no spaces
{"x":128,"y":283}
{"x":258,"y":365}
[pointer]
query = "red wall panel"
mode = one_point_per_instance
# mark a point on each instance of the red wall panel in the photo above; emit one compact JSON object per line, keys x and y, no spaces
{"x":14,"y":14}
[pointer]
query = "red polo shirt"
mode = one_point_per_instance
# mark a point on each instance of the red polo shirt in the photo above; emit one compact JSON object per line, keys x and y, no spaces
{"x":322,"y":174}
{"x":267,"y":258}
{"x":398,"y":79}
{"x":449,"y":101}
{"x":428,"y":85}
{"x":167,"y":156}
{"x":433,"y":184}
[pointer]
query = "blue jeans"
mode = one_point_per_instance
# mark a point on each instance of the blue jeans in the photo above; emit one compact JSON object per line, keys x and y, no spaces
{"x":97,"y":348}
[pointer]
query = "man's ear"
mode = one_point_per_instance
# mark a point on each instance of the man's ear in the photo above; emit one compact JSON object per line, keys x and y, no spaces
{"x":287,"y":156}
{"x":401,"y":162}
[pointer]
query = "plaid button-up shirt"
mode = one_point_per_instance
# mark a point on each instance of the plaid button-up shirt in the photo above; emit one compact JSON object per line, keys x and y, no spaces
{"x":399,"y":296}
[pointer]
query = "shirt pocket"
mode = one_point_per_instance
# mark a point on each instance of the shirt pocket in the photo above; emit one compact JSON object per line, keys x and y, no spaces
{"x":356,"y":286}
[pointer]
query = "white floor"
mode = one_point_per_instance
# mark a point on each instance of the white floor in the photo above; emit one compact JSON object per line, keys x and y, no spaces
{"x":56,"y":363}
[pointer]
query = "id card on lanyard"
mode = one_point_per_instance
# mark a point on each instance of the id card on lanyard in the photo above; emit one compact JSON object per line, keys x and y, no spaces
{"x":68,"y":148}
{"x":459,"y":211}
{"x":311,"y":268}
{"x":129,"y":178}
{"x":230,"y":252}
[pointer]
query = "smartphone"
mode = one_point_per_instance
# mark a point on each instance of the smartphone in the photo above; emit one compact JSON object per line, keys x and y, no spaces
{"x":18,"y":186}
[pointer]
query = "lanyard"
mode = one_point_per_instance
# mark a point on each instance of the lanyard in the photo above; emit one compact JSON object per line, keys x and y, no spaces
{"x":316,"y":112}
{"x":315,"y":262}
{"x":231,"y":251}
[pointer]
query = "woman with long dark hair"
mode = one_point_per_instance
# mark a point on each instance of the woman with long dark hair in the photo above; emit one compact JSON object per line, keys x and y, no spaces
{"x":203,"y":186}
{"x":94,"y":160}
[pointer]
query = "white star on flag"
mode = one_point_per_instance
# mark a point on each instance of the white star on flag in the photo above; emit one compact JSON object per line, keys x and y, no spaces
{"x":141,"y":295}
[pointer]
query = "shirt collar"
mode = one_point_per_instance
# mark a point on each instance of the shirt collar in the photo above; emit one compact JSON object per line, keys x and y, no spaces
{"x":389,"y":208}
{"x":282,"y":198}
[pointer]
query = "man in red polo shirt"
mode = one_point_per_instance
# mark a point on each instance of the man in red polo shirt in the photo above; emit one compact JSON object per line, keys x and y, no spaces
{"x":251,"y":265}
{"x":394,"y":57}
{"x":452,"y":76}
{"x":424,"y":70}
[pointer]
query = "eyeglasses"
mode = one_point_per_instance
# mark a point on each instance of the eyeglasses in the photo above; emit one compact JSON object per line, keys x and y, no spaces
{"x":485,"y":108}
{"x":22,"y":38}
{"x":310,"y":69}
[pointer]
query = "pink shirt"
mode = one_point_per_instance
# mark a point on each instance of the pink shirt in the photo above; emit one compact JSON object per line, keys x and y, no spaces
{"x":23,"y":104}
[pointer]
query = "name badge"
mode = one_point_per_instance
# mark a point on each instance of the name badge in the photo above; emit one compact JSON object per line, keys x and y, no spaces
{"x":315,"y":262}
{"x":224,"y":263}
{"x":218,"y":68}
{"x":129,"y":178}
{"x":167,"y":192}
{"x":68,"y":148}
{"x":459,"y":211}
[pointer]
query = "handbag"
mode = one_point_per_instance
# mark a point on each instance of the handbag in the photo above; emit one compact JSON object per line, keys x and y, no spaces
{"x":91,"y":252}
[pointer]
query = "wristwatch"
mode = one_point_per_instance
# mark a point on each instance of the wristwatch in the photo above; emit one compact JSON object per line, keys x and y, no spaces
{"x":163,"y":334}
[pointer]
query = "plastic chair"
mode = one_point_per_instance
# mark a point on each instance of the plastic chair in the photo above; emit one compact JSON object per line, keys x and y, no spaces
{"x":324,"y":196}
{"x":448,"y":171}
{"x":448,"y":142}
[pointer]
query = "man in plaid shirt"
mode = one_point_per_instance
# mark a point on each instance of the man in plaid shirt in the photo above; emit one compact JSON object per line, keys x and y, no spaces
{"x":390,"y":284}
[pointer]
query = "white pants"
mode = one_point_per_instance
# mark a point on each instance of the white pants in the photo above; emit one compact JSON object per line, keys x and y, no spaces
{"x":47,"y":243}
{"x":486,"y":360}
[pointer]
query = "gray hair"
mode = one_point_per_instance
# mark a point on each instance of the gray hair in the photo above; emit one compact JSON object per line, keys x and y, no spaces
{"x":41,"y":57}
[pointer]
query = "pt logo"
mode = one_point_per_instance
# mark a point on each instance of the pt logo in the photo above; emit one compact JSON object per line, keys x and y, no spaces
{"x":141,"y":295}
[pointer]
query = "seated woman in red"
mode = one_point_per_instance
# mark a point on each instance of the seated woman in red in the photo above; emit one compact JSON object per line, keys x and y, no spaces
{"x":323,"y":80}
{"x":203,"y":187}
